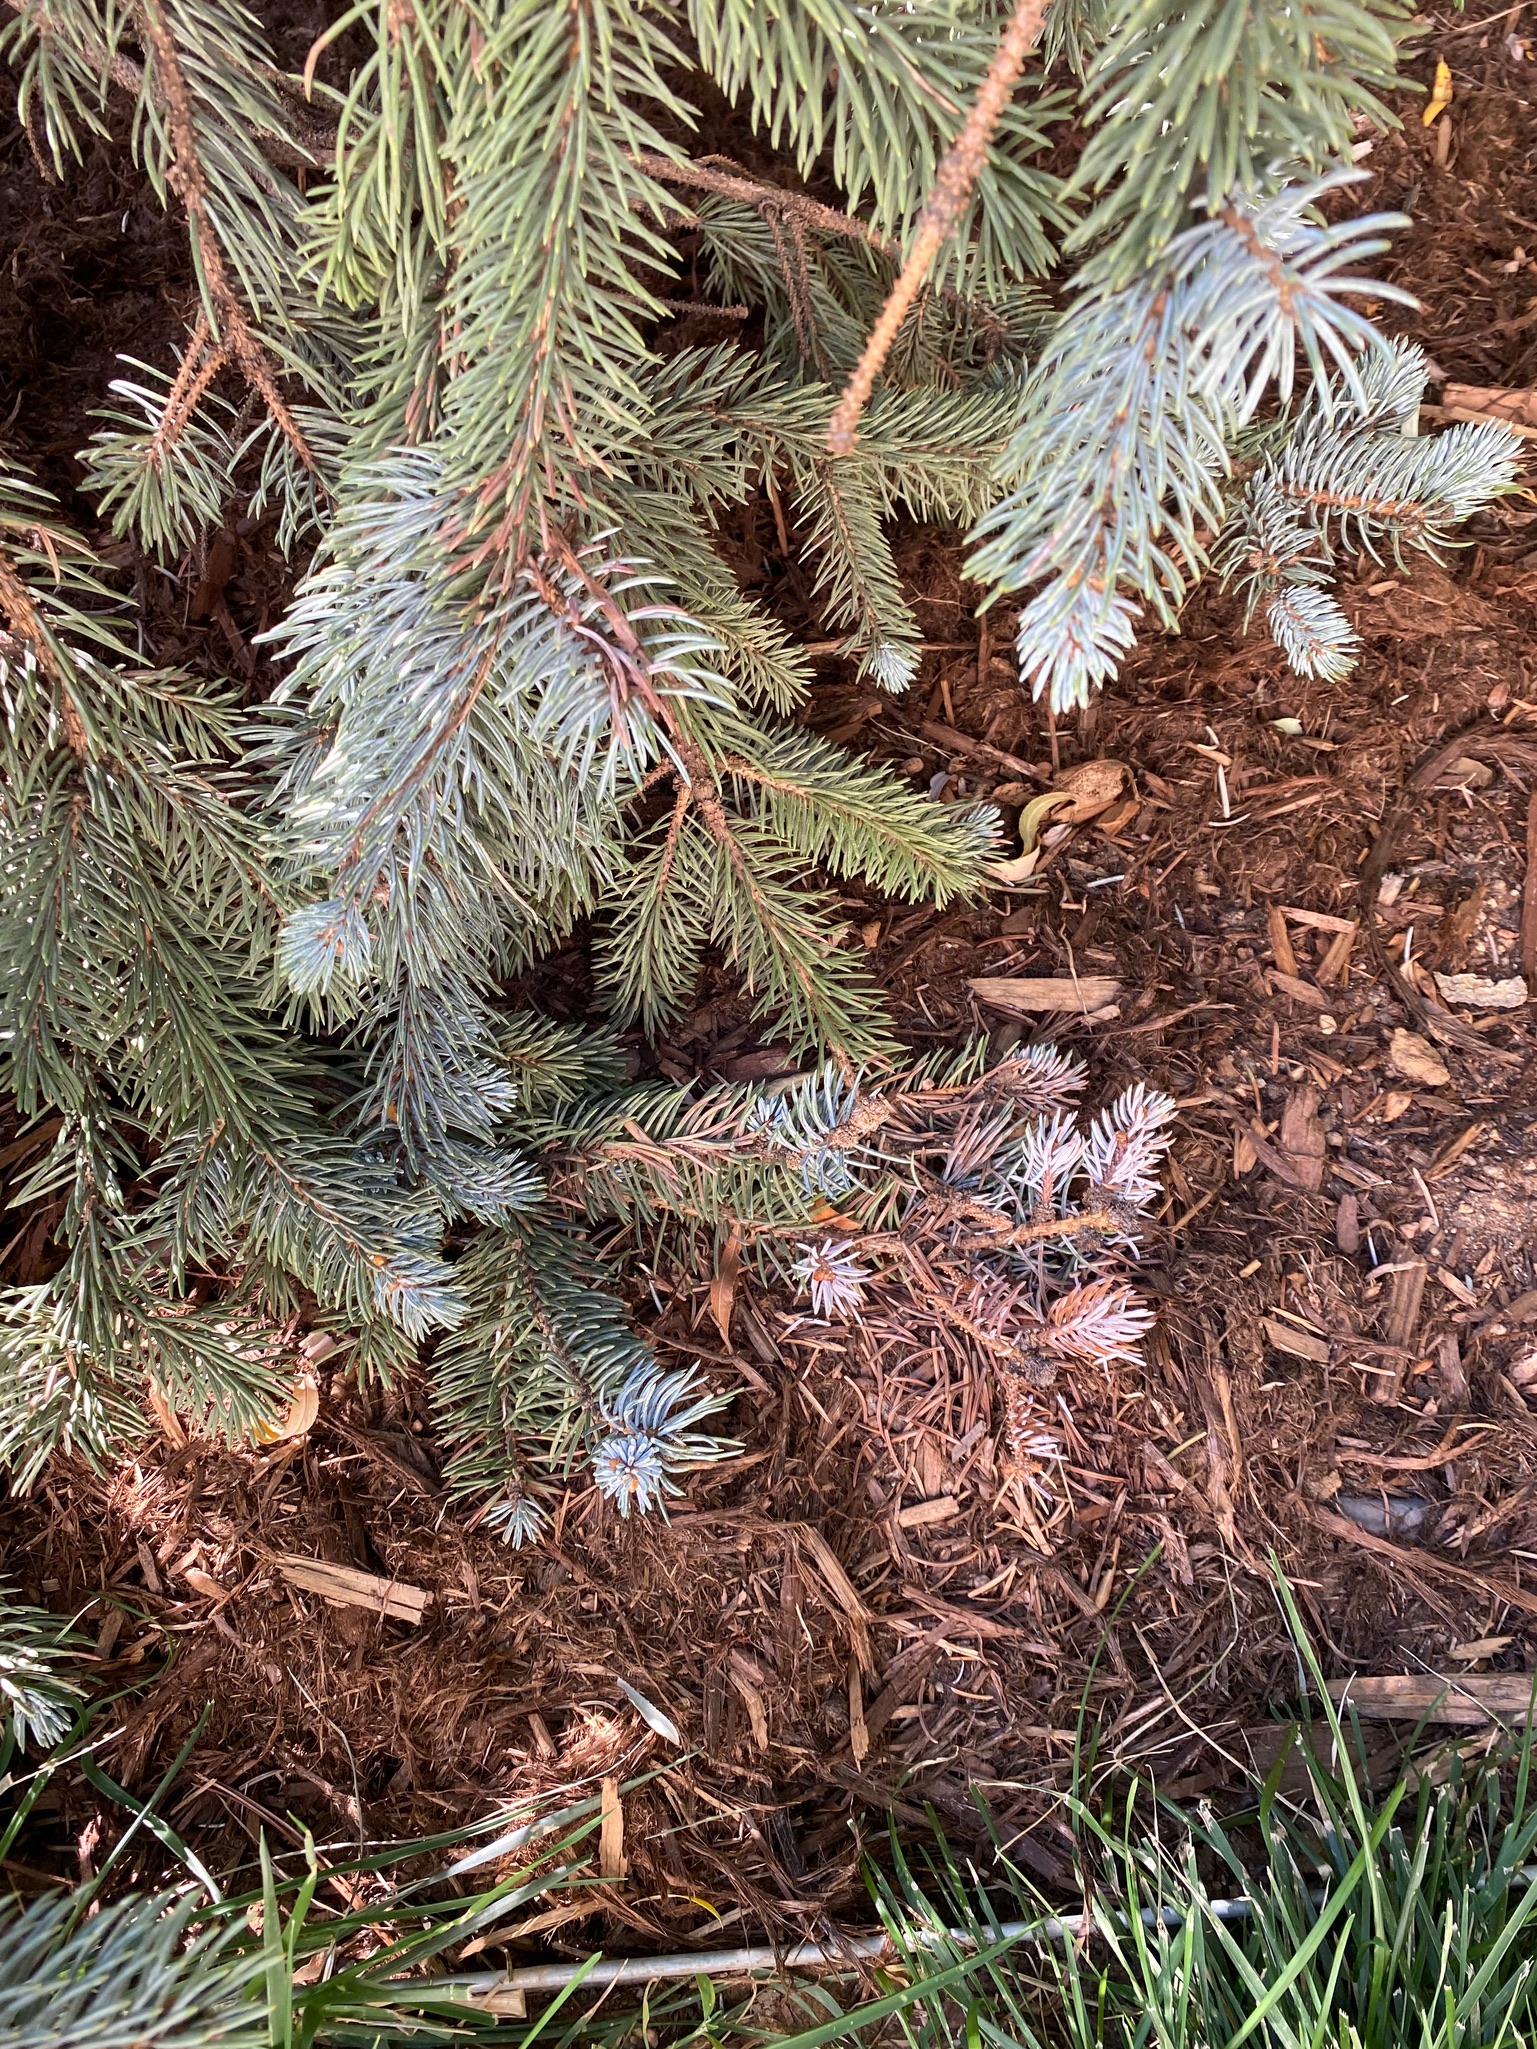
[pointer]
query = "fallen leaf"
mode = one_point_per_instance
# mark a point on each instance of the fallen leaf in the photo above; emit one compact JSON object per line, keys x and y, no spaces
{"x":1093,"y":787}
{"x":1119,"y":816}
{"x":205,"y":1584}
{"x":1020,"y":869}
{"x":298,"y":1419}
{"x":1516,"y":409}
{"x":1478,"y":992}
{"x":1486,"y":1647}
{"x":1440,"y":94}
{"x":1024,"y":994}
{"x":1417,"y":1060}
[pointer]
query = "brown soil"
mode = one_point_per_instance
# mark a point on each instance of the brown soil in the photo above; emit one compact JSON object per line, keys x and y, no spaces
{"x":1347,"y":1343}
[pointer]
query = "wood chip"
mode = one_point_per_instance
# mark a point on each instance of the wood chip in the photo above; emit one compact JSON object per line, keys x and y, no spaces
{"x":1466,"y":1700}
{"x":1529,"y":893}
{"x":1320,"y":921}
{"x":345,"y":1587}
{"x":940,"y":1510}
{"x":859,"y":1735}
{"x":1280,"y":941}
{"x":1453,"y":1150}
{"x":1417,"y":1060}
{"x":1482,"y":992}
{"x":845,"y":1594}
{"x":1094,"y":786}
{"x":1301,"y":1137}
{"x":1296,"y":1344}
{"x":746,"y":1678}
{"x":1429,"y":1564}
{"x":1334,"y":968}
{"x":1404,"y":1298}
{"x":611,"y":1859}
{"x":962,"y":743}
{"x":1298,"y":990}
{"x":1025,"y":994}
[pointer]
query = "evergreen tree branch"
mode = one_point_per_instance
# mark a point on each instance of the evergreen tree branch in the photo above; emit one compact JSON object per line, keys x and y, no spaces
{"x":959,"y":170}
{"x":223,"y":311}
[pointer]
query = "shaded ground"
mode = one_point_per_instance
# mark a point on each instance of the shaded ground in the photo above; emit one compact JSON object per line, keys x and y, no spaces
{"x":1342,"y":1371}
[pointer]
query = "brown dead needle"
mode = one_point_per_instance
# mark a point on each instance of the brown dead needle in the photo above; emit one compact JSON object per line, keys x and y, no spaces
{"x":959,"y":170}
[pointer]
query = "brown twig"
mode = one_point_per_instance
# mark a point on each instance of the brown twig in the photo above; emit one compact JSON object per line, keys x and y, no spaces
{"x":768,"y":199}
{"x":225,"y":314}
{"x":959,"y":170}
{"x":26,"y":623}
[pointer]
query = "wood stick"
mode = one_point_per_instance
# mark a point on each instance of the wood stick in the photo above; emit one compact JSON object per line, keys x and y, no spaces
{"x":1529,"y":893}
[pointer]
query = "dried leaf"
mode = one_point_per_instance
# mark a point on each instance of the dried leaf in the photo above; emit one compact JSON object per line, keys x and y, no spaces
{"x":1417,"y":1060}
{"x":1440,"y":94}
{"x":1093,"y":787}
{"x":1020,"y":869}
{"x":1516,"y":409}
{"x":298,"y":1419}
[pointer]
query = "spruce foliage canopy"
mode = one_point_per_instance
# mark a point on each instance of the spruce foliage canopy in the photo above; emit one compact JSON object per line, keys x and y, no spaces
{"x":496,"y":353}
